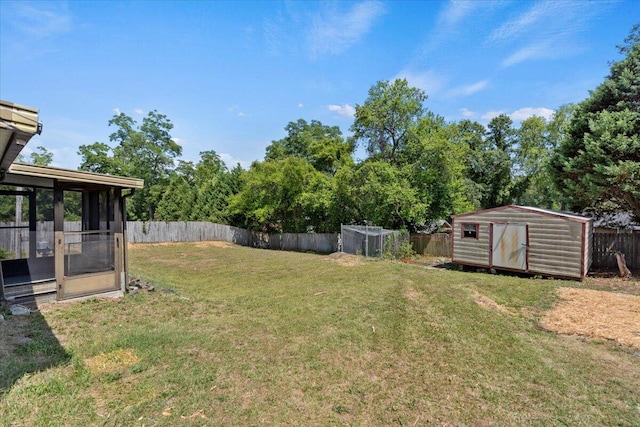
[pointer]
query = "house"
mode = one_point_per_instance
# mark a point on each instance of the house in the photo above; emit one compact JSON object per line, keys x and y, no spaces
{"x":524,"y":239}
{"x":46,"y":256}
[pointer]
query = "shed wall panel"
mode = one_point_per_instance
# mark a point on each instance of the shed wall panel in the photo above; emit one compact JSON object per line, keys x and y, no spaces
{"x":558,"y":245}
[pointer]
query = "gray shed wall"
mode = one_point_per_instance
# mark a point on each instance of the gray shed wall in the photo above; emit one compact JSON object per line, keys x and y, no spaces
{"x":558,"y":245}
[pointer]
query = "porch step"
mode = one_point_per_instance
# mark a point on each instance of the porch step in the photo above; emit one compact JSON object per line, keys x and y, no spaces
{"x":12,"y":293}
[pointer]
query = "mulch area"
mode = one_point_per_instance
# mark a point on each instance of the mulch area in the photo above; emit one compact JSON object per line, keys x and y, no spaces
{"x":596,"y":314}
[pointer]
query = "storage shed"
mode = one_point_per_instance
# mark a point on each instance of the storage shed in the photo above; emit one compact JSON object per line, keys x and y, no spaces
{"x":526,"y":239}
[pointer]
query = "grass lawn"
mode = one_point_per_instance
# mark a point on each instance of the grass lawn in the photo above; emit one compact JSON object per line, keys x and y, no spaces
{"x":253,"y":337}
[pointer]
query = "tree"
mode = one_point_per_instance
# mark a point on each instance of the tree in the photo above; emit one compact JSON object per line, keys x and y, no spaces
{"x":322,"y":146}
{"x":385,"y":121}
{"x":489,"y":161}
{"x":597,"y":167}
{"x":376,"y":191}
{"x":146,"y":152}
{"x":286,"y":195}
{"x":434,"y":165}
{"x":98,"y":158}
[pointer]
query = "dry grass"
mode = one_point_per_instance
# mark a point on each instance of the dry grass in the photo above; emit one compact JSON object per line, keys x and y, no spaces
{"x":596,"y":314}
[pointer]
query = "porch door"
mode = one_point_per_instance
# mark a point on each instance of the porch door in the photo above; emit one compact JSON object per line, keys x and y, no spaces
{"x":509,"y":247}
{"x":89,"y":251}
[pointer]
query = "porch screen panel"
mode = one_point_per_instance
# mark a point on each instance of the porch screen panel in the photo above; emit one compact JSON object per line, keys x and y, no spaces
{"x":88,"y":252}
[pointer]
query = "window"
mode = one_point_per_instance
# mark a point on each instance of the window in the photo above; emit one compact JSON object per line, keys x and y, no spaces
{"x":470,"y":231}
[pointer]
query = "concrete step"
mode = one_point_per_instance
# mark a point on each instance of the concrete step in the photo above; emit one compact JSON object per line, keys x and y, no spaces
{"x":11,"y":293}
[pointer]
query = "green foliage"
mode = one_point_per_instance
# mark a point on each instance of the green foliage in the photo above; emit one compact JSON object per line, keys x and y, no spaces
{"x":145,"y":152}
{"x":286,"y":195}
{"x":322,"y":146}
{"x":385,"y":121}
{"x":5,"y":254}
{"x":41,"y":157}
{"x":597,"y":167}
{"x":379,"y":192}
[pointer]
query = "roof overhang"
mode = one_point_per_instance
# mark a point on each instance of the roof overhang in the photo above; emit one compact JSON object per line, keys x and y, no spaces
{"x":46,"y":176}
{"x":17,"y":125}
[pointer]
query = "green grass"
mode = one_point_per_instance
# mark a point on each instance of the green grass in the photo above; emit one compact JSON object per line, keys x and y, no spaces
{"x":255,"y":337}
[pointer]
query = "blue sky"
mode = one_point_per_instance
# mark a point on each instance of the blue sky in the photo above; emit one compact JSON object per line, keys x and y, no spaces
{"x":231,"y":75}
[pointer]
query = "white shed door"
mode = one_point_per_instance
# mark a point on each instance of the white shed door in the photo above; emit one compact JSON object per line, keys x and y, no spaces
{"x":509,"y":246}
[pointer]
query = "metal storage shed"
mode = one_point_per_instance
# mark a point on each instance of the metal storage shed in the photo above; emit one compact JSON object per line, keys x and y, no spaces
{"x":526,"y":239}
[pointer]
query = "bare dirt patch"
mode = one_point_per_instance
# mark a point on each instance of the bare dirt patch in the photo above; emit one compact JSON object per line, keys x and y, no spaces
{"x":207,"y":244}
{"x":489,"y":304}
{"x":346,"y":260}
{"x":109,"y":363}
{"x":609,"y":281}
{"x":215,"y":244}
{"x":596,"y":314}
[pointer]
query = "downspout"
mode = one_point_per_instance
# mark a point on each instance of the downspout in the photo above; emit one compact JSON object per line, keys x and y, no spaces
{"x":124,"y":236}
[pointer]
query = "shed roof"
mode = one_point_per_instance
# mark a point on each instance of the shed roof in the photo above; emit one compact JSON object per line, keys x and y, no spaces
{"x":570,"y":216}
{"x":44,"y":176}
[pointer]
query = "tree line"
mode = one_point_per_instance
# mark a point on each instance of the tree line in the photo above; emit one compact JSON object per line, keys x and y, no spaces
{"x":418,"y":167}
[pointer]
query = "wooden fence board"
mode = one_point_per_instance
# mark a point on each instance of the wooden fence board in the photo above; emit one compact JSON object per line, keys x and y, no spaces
{"x":438,"y":244}
{"x":606,"y":244}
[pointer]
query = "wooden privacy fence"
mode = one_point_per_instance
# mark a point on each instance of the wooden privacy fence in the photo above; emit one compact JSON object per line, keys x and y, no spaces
{"x":438,"y":244}
{"x":194,"y":231}
{"x":605,"y":245}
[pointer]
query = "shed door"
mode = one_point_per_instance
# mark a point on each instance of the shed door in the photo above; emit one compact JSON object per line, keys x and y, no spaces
{"x":509,"y":246}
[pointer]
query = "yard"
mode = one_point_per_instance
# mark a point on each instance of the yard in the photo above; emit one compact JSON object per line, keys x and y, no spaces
{"x":240,"y":336}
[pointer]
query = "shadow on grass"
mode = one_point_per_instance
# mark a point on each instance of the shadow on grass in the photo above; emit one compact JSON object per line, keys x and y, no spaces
{"x":27,"y":345}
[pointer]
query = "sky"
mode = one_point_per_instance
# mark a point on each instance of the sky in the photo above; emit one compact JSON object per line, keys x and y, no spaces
{"x":231,"y":75}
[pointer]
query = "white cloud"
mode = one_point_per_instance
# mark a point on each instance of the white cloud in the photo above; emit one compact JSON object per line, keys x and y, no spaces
{"x":116,"y":110}
{"x":39,"y":22}
{"x":449,"y":21}
{"x":468,"y":89}
{"x":300,"y":105}
{"x":533,"y":51}
{"x":138,"y":111}
{"x":335,"y":31}
{"x":236,"y":110}
{"x":429,"y":81}
{"x":231,"y":161}
{"x":491,"y":114}
{"x":525,"y":113}
{"x":345,"y":110}
{"x":467,"y":113}
{"x":179,"y":141}
{"x":521,"y":24}
{"x":546,"y":30}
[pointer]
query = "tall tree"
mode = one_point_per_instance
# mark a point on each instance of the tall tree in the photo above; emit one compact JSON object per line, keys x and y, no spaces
{"x":384,"y":123}
{"x":146,"y":152}
{"x":597,"y":167}
{"x":322,"y":146}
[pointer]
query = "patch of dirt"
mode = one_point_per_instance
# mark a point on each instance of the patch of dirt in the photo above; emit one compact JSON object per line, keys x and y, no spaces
{"x":489,"y":304}
{"x":216,"y":244}
{"x":609,"y":281}
{"x":346,"y":260}
{"x":206,"y":244}
{"x":112,"y":362}
{"x":596,"y":314}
